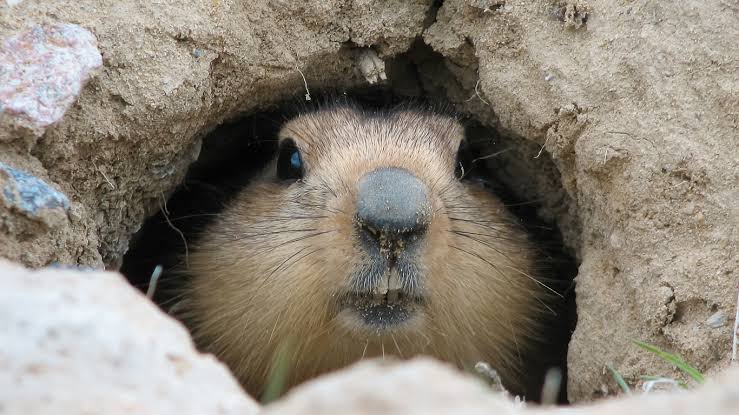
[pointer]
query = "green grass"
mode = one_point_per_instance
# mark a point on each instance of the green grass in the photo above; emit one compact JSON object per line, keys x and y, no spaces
{"x":619,"y":380}
{"x":278,"y":374}
{"x":673,"y":359}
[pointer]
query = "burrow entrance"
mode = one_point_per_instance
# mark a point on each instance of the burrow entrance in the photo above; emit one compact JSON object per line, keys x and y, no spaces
{"x":518,"y":171}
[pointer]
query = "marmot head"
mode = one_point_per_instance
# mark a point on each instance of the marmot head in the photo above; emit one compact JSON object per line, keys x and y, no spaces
{"x":360,"y":240}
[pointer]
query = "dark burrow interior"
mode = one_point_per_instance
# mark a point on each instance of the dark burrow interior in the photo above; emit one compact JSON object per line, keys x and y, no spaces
{"x":236,"y":150}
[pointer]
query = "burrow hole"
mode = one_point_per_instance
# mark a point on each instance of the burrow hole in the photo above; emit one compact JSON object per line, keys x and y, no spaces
{"x":520,"y":174}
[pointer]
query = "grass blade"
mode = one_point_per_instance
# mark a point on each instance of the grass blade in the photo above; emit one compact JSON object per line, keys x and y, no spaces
{"x":619,"y":380}
{"x":278,"y":374}
{"x":673,"y":359}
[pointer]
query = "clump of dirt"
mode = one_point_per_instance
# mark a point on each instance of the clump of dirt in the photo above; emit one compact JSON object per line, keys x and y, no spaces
{"x":635,"y":103}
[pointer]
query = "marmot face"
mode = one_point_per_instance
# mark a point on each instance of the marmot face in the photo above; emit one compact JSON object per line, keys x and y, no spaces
{"x":357,"y":241}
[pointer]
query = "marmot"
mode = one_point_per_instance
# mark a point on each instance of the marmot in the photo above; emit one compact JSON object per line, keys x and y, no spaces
{"x":360,"y":240}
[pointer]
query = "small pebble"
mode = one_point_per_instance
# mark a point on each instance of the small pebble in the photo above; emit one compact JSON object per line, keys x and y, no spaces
{"x":30,"y":194}
{"x":717,"y":319}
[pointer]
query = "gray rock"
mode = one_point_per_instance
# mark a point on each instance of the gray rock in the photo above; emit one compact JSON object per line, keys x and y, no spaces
{"x":86,"y":342}
{"x":30,"y":194}
{"x":424,"y":386}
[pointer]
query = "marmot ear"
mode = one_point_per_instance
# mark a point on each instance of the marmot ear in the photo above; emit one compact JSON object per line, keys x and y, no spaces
{"x":457,"y":137}
{"x":450,"y":131}
{"x":289,"y":161}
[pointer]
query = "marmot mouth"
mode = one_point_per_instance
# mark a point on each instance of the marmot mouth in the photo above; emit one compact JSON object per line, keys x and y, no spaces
{"x":382,"y":311}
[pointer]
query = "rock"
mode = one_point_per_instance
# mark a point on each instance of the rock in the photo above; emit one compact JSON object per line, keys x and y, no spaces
{"x":425,"y":386}
{"x":44,"y":69}
{"x":419,"y":386}
{"x":371,"y":66}
{"x":29,"y":194}
{"x":87,"y":342}
{"x":38,"y":223}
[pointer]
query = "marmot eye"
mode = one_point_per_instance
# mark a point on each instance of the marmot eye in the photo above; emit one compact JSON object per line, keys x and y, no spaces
{"x":289,"y":161}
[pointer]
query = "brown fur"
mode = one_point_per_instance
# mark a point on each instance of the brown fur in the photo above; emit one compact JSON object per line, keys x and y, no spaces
{"x":267,"y":272}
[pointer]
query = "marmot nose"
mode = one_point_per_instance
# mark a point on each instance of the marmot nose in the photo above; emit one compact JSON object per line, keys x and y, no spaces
{"x":392,"y":200}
